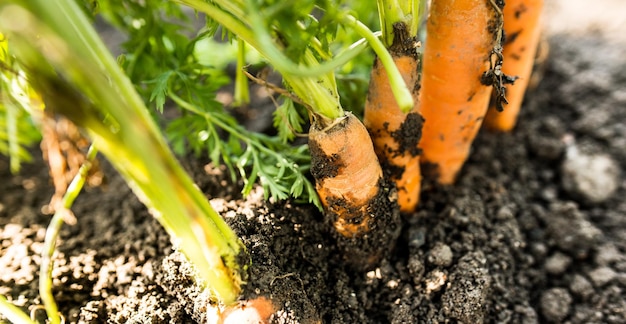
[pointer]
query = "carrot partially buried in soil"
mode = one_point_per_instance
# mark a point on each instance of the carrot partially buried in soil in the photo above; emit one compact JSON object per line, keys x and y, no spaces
{"x":254,"y":311}
{"x":350,"y":183}
{"x":460,"y":50}
{"x":396,"y":134}
{"x":522,"y":29}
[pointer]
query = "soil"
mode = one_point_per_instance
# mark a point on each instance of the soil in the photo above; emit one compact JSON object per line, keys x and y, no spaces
{"x":522,"y":237}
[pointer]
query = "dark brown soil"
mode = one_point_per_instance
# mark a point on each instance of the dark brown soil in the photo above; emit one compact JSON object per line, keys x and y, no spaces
{"x":509,"y":243}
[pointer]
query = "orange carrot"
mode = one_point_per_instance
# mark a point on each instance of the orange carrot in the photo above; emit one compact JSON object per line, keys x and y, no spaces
{"x":257,"y":311}
{"x":522,"y":30}
{"x":395,"y":134}
{"x":458,"y":54}
{"x":350,"y":184}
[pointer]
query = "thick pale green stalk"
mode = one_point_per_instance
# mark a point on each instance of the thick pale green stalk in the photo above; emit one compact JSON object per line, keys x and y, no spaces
{"x":52,"y":232}
{"x":13,"y":313}
{"x":78,"y":78}
{"x":319,"y":92}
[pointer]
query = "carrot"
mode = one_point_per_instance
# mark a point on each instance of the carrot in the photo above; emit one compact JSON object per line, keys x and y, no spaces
{"x":254,"y":311}
{"x":350,"y":184}
{"x":459,"y":54}
{"x":395,"y":134}
{"x":522,"y":30}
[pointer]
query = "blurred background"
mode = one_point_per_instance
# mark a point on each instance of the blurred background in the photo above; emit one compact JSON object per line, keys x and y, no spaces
{"x":607,"y":17}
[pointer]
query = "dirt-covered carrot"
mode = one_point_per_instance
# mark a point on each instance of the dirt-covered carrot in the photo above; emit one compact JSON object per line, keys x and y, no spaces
{"x":347,"y":173}
{"x":258,"y":311}
{"x":348,"y":176}
{"x":350,"y":183}
{"x":522,"y":29}
{"x":460,"y":54}
{"x":396,"y":133}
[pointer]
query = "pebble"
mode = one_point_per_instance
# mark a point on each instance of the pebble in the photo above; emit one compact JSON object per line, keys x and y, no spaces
{"x":555,"y":304}
{"x":416,"y":268}
{"x":571,"y":230}
{"x":417,"y":237}
{"x":591,"y":177}
{"x":557,"y":263}
{"x":440,"y":255}
{"x":607,"y":254}
{"x":581,"y":287}
{"x":601,"y":276}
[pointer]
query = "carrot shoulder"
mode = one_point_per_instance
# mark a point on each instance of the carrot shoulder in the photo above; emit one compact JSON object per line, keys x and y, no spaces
{"x":460,"y":39}
{"x":350,"y":184}
{"x":395,"y":134}
{"x":522,"y":30}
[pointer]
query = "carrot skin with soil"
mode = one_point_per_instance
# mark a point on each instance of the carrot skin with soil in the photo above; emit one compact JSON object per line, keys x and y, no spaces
{"x":522,"y":29}
{"x":460,"y":39}
{"x":350,"y":184}
{"x":396,"y":135}
{"x":346,"y":173}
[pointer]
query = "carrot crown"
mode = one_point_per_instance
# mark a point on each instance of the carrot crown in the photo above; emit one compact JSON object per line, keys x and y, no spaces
{"x":392,"y":12}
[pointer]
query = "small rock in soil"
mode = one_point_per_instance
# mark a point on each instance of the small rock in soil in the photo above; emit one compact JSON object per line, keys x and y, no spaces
{"x":581,"y":287}
{"x":440,"y":255}
{"x":435,"y":280}
{"x":417,"y":237}
{"x":607,"y":254}
{"x":416,"y":268}
{"x":555,"y":304}
{"x":601,"y":276}
{"x":570,"y":229}
{"x":557,"y":263}
{"x":591,"y":177}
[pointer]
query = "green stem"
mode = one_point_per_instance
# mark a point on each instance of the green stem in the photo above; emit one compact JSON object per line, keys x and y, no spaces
{"x":398,"y":86}
{"x":52,"y":232}
{"x":13,"y":313}
{"x":319,"y":92}
{"x":242,"y":93}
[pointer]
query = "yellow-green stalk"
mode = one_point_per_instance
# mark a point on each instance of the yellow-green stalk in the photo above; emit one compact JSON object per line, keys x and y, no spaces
{"x":71,"y":68}
{"x":13,"y":313}
{"x":52,"y":232}
{"x":242,"y":91}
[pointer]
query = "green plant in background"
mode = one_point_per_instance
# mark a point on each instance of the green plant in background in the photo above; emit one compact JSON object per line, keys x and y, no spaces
{"x":17,"y":130}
